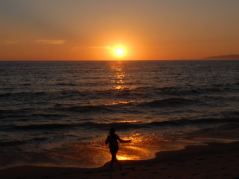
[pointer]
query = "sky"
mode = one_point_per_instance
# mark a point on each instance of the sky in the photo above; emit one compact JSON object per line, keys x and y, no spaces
{"x":149,"y":29}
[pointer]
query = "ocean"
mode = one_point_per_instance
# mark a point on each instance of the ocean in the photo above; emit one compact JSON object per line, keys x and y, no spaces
{"x":59,"y":113}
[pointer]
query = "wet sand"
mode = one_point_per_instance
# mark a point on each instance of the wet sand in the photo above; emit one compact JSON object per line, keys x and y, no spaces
{"x":207,"y":161}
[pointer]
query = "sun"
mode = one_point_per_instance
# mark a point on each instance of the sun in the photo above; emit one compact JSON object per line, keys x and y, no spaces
{"x":119,"y":51}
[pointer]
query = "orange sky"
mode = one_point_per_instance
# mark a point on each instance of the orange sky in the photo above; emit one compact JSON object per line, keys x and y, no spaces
{"x":151,"y":30}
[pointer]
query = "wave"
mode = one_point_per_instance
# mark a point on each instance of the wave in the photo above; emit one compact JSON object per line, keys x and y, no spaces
{"x":14,"y":112}
{"x":170,"y":102}
{"x":11,"y":143}
{"x":21,"y":142}
{"x":150,"y":90}
{"x":23,"y":94}
{"x":129,"y":107}
{"x":28,"y":114}
{"x":65,"y":84}
{"x":84,"y":109}
{"x":42,"y":94}
{"x":127,"y":125}
{"x":145,"y":91}
{"x":194,"y":91}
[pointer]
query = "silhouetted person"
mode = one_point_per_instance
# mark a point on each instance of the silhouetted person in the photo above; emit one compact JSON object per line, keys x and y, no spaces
{"x":112,"y":140}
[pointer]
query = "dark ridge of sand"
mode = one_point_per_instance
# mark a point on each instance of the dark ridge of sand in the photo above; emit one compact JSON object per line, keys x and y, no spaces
{"x":208,"y":161}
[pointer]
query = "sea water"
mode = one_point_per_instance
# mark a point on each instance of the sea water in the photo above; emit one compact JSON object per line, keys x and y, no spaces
{"x":59,"y":113}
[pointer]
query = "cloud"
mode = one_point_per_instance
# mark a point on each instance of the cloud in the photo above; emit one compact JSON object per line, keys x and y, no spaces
{"x":100,"y":47}
{"x":51,"y":42}
{"x":90,"y":47}
{"x":11,"y":42}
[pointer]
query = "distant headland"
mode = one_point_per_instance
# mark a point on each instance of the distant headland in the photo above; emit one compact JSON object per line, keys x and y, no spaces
{"x":225,"y":57}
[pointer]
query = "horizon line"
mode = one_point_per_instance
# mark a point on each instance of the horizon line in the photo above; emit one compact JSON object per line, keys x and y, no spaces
{"x":82,"y":60}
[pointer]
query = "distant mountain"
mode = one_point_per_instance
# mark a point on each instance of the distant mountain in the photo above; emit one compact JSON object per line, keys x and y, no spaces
{"x":225,"y":57}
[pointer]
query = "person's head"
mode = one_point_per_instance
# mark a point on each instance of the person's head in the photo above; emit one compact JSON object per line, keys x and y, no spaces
{"x":112,"y":130}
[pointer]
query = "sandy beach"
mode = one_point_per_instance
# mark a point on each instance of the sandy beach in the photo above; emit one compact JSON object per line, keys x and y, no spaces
{"x":207,"y":161}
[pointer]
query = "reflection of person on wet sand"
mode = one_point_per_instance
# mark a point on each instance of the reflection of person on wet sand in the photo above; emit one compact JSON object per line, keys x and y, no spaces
{"x":112,"y":140}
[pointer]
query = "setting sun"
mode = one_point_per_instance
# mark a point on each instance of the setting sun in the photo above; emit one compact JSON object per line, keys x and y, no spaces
{"x":119,"y":51}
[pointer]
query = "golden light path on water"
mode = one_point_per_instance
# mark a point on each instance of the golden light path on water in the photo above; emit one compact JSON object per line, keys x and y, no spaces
{"x":132,"y":151}
{"x":119,"y":80}
{"x":135,"y":150}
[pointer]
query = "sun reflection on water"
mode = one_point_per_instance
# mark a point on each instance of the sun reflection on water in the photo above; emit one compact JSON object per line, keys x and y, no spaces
{"x":136,"y":150}
{"x":96,"y":153}
{"x":119,"y":76}
{"x":121,"y":157}
{"x":134,"y":153}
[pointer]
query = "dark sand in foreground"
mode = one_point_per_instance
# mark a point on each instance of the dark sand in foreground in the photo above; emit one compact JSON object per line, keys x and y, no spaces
{"x":212,"y":161}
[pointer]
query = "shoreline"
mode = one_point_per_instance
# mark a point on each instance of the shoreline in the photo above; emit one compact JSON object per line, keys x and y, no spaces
{"x":215,"y":160}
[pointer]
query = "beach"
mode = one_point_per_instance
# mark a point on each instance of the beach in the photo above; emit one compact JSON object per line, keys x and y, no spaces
{"x":119,"y":89}
{"x":206,"y":161}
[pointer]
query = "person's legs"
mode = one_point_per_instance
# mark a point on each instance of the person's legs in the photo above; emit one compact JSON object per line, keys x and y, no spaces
{"x":116,"y":160}
{"x":113,"y":158}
